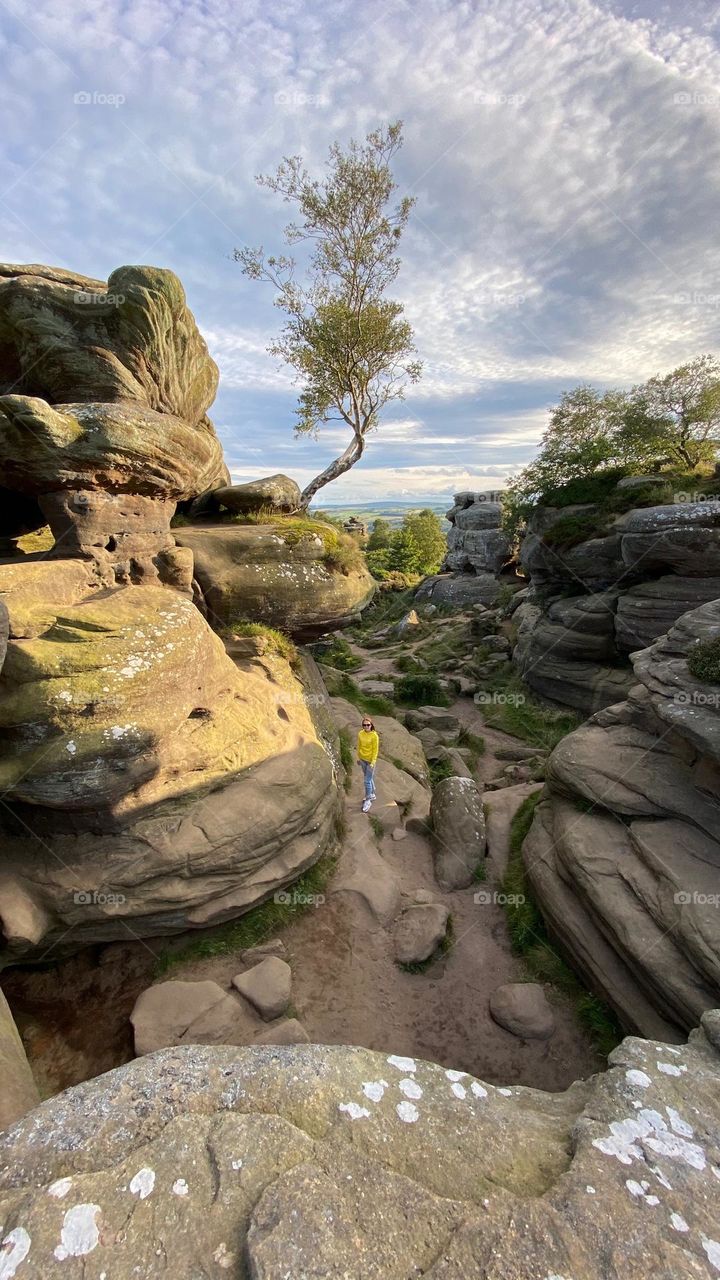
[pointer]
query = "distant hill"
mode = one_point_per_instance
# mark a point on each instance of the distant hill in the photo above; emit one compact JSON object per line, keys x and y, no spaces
{"x":393,"y":512}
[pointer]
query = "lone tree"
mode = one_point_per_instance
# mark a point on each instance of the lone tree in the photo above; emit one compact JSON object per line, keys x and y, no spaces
{"x":349,"y":345}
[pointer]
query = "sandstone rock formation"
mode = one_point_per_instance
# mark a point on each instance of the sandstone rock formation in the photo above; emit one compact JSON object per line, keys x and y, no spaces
{"x":458,"y":825}
{"x":19,"y":1092}
{"x":598,"y":600}
{"x":278,"y":491}
{"x":150,"y":783}
{"x":624,"y":854}
{"x":283,"y":575}
{"x":313,"y":1161}
{"x":476,"y":543}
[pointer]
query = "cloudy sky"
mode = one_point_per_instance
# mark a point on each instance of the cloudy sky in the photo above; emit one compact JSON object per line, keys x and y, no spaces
{"x":564,"y":156}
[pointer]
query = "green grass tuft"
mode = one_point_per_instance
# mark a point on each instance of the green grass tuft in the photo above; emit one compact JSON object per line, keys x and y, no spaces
{"x":256,"y":926}
{"x":421,"y":689}
{"x":277,"y":641}
{"x":704,"y":660}
{"x":347,"y":757}
{"x":369,"y":704}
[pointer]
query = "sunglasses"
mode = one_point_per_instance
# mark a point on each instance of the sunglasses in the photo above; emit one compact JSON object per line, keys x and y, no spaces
{"x":366,"y":724}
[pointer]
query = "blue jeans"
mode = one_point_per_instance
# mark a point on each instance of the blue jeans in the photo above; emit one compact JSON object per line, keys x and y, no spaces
{"x":369,"y":774}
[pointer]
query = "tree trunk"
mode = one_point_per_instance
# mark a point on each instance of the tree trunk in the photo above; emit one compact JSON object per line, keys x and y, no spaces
{"x":352,"y":454}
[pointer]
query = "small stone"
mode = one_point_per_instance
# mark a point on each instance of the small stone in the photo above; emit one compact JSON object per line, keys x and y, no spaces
{"x":267,"y":986}
{"x":522,"y":1009}
{"x":289,"y":1031}
{"x":419,"y":932}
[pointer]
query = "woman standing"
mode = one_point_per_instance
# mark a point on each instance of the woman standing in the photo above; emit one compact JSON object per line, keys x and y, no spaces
{"x":368,"y":746}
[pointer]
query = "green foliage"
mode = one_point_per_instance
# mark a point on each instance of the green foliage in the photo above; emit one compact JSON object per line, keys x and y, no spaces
{"x":380,"y":536}
{"x":341,"y":553}
{"x":407,"y":664}
{"x":368,"y":704}
{"x":377,"y":826}
{"x":529,"y":939}
{"x":349,"y":344}
{"x":523,"y":716}
{"x":420,"y":689}
{"x":704,"y":660}
{"x":378,"y":562}
{"x":404,"y":553}
{"x":439,"y":770}
{"x":474,"y":743}
{"x":594,"y":438}
{"x":568,"y":531}
{"x":426,"y":530}
{"x":256,"y":926}
{"x":347,"y":756}
{"x":340,"y":655}
{"x":277,"y":642}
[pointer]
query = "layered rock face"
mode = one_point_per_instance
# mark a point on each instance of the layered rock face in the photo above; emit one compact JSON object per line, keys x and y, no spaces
{"x":624,"y":853}
{"x":278,"y":574}
{"x":312,"y":1161}
{"x":477,"y":552}
{"x":105,"y":395}
{"x":599,"y":600}
{"x":150,"y":783}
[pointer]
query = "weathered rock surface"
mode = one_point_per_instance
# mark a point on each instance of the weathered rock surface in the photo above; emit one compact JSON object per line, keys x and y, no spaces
{"x":267,"y":986}
{"x":460,"y":591}
{"x":628,"y":586}
{"x":625,"y":852}
{"x":252,"y":572}
{"x":419,"y":931}
{"x":522,"y":1008}
{"x":164,"y":785}
{"x":172,"y":1013}
{"x":278,"y":491}
{"x":458,"y":826}
{"x":19,"y":1093}
{"x":315,"y":1161}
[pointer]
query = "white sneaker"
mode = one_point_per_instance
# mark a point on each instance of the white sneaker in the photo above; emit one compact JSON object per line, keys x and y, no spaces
{"x":366,"y":805}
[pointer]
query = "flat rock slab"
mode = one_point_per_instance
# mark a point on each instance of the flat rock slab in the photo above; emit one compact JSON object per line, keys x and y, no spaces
{"x":267,"y":986}
{"x":172,"y":1013}
{"x":444,"y":722}
{"x":419,"y":932}
{"x":289,"y":1031}
{"x":522,"y":1009}
{"x":276,"y":491}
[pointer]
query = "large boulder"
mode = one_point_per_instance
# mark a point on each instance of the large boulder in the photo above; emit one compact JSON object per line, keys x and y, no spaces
{"x":278,"y":492}
{"x":645,"y":612}
{"x":66,"y":337}
{"x":149,"y":782}
{"x":459,"y":591}
{"x":458,"y":826}
{"x":683,"y":537}
{"x":321,"y":1161}
{"x":623,"y":855}
{"x":283,"y":575}
{"x":523,"y":1009}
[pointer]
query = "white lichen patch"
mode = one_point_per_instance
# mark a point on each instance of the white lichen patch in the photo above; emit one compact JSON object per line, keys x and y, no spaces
{"x":669,"y":1068}
{"x":143,"y":1182}
{"x":236,"y":1164}
{"x":15,"y":1249}
{"x":712,"y":1249}
{"x":408,"y":1112}
{"x":638,"y":1078}
{"x":180,"y":1187}
{"x":455,"y":1075}
{"x":410,"y":1088}
{"x":374,"y":1089}
{"x":59,"y":1188}
{"x":506,"y":1093}
{"x":402,"y":1064}
{"x":71,"y":748}
{"x":459,"y":1090}
{"x":79,"y":1234}
{"x":354,"y":1110}
{"x":478,"y":1090}
{"x":678,"y":1125}
{"x":223,"y":1257}
{"x":678,"y":1223}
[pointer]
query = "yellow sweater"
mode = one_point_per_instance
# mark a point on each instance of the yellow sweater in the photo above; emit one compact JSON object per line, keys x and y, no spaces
{"x":368,"y":745}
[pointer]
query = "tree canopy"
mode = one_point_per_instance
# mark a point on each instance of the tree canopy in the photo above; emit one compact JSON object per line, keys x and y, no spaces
{"x":350,"y":347}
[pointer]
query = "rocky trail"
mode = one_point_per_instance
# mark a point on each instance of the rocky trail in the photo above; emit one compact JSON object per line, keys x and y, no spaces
{"x":347,"y":985}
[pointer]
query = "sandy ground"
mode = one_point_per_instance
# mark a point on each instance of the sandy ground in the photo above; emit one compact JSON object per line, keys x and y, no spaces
{"x":347,"y":988}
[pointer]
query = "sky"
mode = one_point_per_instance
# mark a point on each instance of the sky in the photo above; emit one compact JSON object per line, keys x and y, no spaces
{"x":563,"y":155}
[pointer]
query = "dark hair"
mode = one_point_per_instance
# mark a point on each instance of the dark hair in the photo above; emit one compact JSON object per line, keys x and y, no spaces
{"x":372,"y":726}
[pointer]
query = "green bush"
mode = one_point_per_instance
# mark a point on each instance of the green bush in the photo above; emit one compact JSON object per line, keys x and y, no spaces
{"x":277,"y":641}
{"x":420,"y":690}
{"x":340,"y":656}
{"x":704,"y":661}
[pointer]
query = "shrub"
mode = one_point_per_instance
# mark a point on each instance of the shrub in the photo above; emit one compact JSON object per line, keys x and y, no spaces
{"x":340,"y":656}
{"x":277,"y":641}
{"x":704,"y":661}
{"x":421,"y":689}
